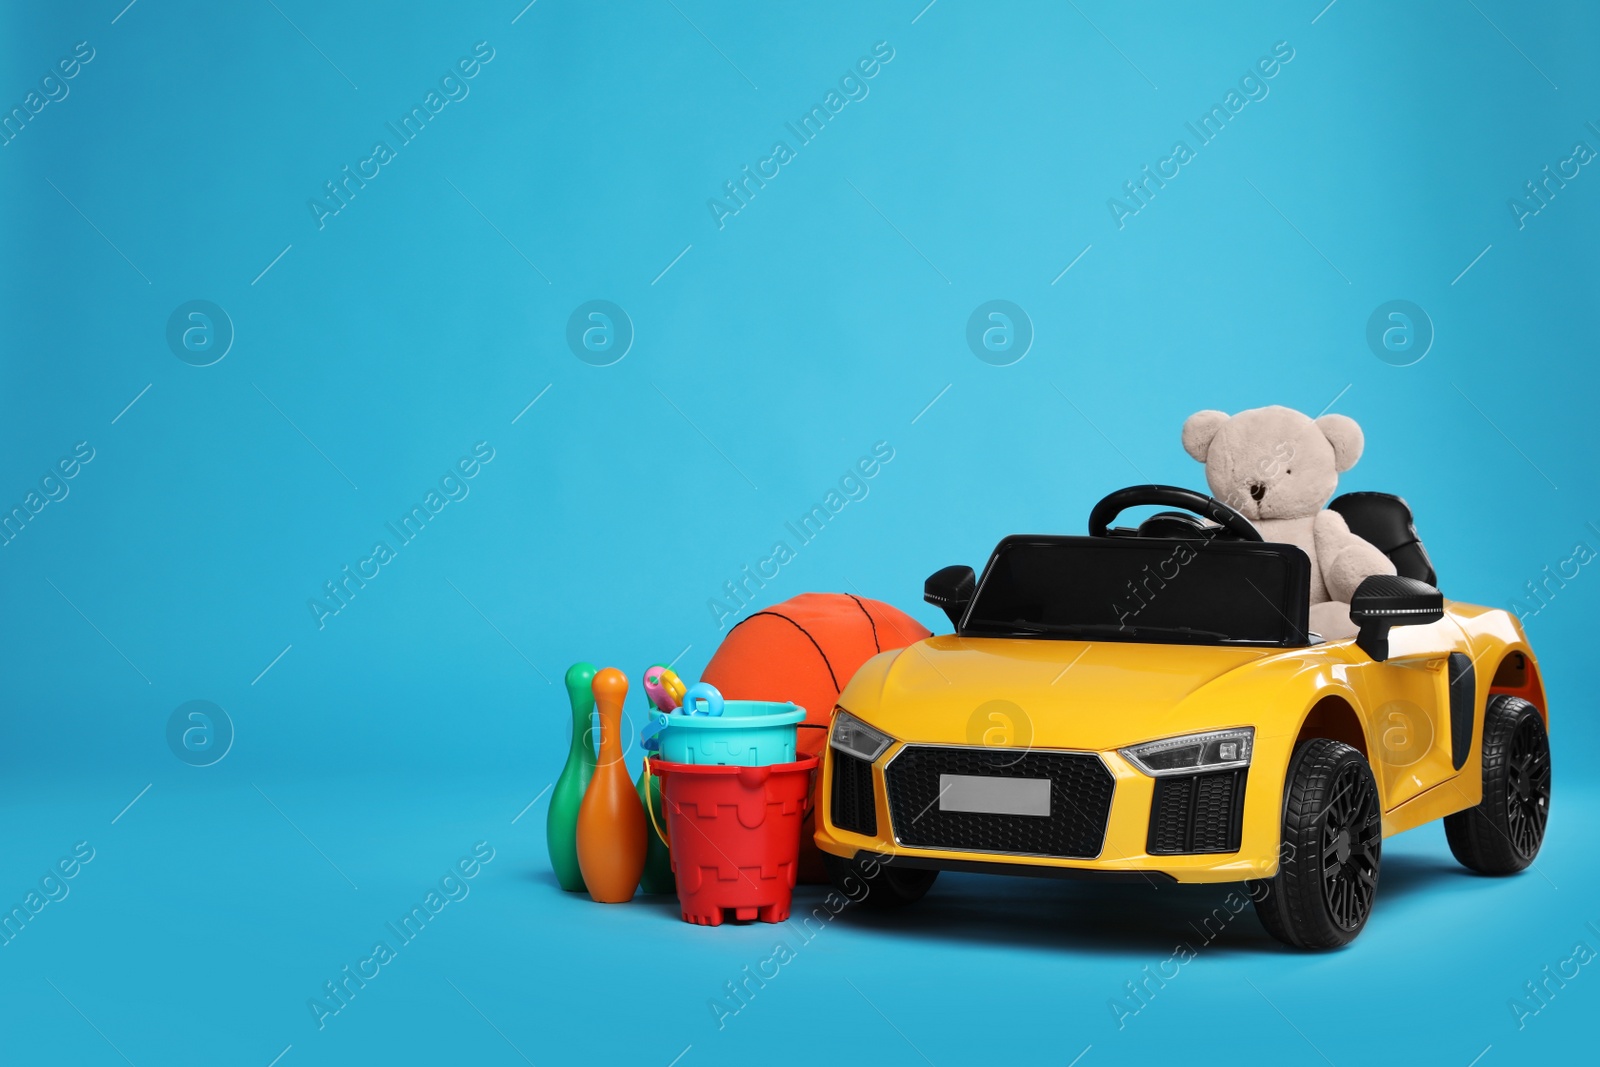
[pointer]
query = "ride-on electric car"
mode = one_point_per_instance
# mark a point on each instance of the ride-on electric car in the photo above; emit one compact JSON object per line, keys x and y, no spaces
{"x":1148,"y":703}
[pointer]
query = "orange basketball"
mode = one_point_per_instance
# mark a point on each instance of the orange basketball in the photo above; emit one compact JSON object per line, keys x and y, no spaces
{"x":805,"y":650}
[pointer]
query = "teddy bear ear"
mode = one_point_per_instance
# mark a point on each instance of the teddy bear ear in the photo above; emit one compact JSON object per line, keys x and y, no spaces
{"x":1345,"y":437}
{"x":1198,"y":431}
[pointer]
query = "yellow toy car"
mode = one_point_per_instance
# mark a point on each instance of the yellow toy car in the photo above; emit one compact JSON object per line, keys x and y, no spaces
{"x":1148,"y":703}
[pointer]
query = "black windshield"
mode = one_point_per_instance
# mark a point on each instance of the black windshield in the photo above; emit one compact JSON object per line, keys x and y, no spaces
{"x":1143,"y":589}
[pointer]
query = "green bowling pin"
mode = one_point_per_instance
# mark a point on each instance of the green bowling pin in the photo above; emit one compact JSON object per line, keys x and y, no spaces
{"x":657,"y":876}
{"x":561,"y":824}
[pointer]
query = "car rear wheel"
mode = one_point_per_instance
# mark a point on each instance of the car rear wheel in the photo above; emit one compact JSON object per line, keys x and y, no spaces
{"x":1327,"y":875}
{"x":877,"y":882}
{"x":1502,"y":834}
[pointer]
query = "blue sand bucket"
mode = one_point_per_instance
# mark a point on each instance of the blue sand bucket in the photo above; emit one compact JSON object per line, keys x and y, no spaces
{"x":736,"y":733}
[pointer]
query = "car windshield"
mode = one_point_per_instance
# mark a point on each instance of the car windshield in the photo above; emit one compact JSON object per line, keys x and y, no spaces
{"x":1143,"y":589}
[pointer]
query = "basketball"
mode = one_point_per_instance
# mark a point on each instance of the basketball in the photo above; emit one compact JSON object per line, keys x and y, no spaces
{"x":806,"y":650}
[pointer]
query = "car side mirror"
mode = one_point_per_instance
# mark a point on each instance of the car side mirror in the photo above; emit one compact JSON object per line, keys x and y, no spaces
{"x":950,"y":589}
{"x":1385,"y":600}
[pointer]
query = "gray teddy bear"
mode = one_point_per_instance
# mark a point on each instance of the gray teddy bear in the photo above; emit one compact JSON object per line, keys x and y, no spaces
{"x":1278,"y":468}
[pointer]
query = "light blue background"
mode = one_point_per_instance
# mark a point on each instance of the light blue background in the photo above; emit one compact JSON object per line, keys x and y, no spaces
{"x":773,"y":353}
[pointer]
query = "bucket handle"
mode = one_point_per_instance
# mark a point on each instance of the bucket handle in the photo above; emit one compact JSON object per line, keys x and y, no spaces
{"x":649,"y":804}
{"x":650,"y":736}
{"x":702,"y":691}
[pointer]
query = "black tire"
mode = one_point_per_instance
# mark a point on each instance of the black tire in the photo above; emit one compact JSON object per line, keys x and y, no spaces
{"x":878,"y":884}
{"x":1327,"y":876}
{"x":1502,"y":834}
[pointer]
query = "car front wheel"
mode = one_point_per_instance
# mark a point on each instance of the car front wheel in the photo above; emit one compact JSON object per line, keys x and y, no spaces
{"x":1327,"y":875}
{"x":877,"y":883}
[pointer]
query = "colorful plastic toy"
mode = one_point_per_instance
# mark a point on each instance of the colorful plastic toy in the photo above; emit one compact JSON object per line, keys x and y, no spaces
{"x":668,"y":694}
{"x":804,"y":650}
{"x":611,"y":822}
{"x":657,"y":877}
{"x":1150,"y":703}
{"x":561,"y":821}
{"x":664,"y":688}
{"x":736,"y":834}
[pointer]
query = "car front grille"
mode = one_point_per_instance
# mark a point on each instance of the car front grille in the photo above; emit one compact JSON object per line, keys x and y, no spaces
{"x":1197,"y":813}
{"x":1080,"y":801}
{"x":855,"y":807}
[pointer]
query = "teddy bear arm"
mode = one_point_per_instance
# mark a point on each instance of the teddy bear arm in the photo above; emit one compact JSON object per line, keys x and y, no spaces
{"x":1346,"y":558}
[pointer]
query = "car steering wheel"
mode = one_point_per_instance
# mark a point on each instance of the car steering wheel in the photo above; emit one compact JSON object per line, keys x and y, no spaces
{"x":1171,"y":496}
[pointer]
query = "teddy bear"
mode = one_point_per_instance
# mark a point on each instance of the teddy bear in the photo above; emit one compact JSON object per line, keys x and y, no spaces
{"x":1278,"y":467}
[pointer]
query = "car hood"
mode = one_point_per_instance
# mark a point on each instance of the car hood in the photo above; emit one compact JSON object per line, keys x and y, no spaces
{"x":1066,"y":694}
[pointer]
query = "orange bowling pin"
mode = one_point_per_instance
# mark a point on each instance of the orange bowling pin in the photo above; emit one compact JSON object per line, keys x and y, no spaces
{"x":611,"y":829}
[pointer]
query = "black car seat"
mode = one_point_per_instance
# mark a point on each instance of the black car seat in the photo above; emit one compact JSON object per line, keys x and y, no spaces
{"x":1385,"y":520}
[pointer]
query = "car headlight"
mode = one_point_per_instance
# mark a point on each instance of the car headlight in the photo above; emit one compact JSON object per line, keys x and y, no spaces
{"x":1217,"y":750}
{"x":854,"y":737}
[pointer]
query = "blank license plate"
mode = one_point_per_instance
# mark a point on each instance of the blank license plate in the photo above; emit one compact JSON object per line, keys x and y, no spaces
{"x":994,"y":796}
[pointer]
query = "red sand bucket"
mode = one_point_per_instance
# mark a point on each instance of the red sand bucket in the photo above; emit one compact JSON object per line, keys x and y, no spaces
{"x":735,"y":836}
